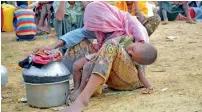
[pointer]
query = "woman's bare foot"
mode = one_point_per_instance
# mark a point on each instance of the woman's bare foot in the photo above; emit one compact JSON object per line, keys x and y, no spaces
{"x":78,"y":106}
{"x":147,"y":90}
{"x":190,"y":21}
{"x":44,"y":29}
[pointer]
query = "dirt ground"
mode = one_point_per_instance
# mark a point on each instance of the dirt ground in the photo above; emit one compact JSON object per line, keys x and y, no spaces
{"x":178,"y":71}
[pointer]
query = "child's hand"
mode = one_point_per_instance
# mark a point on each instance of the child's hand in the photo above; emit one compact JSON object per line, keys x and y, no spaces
{"x":147,"y":90}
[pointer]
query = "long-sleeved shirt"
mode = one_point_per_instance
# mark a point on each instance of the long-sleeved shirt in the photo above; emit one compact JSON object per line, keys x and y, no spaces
{"x":76,"y":36}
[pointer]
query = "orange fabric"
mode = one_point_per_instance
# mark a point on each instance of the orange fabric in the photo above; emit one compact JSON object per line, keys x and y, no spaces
{"x":122,"y":5}
{"x":47,"y":56}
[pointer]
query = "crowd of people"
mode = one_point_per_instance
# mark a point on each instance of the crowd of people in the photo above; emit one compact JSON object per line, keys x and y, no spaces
{"x":122,"y":32}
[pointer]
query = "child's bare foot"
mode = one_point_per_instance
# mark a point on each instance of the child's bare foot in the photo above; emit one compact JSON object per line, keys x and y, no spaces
{"x":147,"y":90}
{"x":78,"y":106}
{"x":75,"y":95}
{"x":190,"y":21}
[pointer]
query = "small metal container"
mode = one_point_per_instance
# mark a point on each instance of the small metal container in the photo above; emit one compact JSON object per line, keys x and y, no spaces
{"x":4,"y":76}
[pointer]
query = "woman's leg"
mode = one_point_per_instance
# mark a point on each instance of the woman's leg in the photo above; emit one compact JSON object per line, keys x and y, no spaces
{"x":187,"y":13}
{"x":43,"y":22}
{"x":152,"y":23}
{"x":82,"y":100}
{"x":165,"y":18}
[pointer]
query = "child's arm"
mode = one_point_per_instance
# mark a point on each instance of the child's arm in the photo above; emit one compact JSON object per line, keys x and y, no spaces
{"x":144,"y":81}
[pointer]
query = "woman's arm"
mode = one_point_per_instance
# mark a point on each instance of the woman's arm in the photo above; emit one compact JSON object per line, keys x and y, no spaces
{"x":59,"y":15}
{"x":56,"y":45}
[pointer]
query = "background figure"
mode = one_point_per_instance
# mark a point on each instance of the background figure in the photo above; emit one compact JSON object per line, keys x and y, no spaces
{"x":68,"y":17}
{"x":140,"y":10}
{"x":73,"y":16}
{"x":170,"y":10}
{"x":25,"y":26}
{"x":44,"y":7}
{"x":197,"y":8}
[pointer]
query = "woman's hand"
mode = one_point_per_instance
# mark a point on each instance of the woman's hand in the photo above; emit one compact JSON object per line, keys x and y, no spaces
{"x":42,"y":49}
{"x":56,"y":45}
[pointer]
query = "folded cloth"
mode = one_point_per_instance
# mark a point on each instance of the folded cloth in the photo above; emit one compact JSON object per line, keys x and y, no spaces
{"x":26,"y":63}
{"x":47,"y":56}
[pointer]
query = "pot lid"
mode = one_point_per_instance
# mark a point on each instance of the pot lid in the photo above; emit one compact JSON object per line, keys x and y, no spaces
{"x":53,"y":72}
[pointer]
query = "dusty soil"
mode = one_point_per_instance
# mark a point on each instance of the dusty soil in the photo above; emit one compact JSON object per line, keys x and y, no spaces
{"x":178,"y":69}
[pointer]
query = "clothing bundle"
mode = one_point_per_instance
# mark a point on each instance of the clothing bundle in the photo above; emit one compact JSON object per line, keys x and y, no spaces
{"x":41,"y":58}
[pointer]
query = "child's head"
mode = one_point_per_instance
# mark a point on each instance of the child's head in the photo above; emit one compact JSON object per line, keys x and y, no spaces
{"x":142,"y":53}
{"x":19,"y":3}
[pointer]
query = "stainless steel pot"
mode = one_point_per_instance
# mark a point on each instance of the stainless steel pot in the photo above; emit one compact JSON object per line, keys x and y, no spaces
{"x":47,"y":95}
{"x":4,"y":76}
{"x":47,"y":85}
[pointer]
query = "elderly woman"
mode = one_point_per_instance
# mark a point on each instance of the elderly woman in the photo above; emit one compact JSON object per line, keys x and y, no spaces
{"x":170,"y":10}
{"x":114,"y":64}
{"x":102,"y":22}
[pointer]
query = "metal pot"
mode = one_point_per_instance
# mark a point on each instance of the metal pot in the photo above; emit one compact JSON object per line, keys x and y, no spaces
{"x":4,"y":76}
{"x":47,"y":85}
{"x":47,"y":95}
{"x":53,"y":72}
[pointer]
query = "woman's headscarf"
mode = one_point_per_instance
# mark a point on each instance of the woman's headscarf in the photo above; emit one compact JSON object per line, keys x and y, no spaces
{"x":103,"y":18}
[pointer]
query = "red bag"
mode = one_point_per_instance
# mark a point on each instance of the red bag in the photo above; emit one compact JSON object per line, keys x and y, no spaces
{"x":192,"y":13}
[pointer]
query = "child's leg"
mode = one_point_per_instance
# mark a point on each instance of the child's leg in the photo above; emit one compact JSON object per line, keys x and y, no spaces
{"x":77,"y":67}
{"x":87,"y":69}
{"x":82,"y":100}
{"x":165,"y":18}
{"x":187,"y":13}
